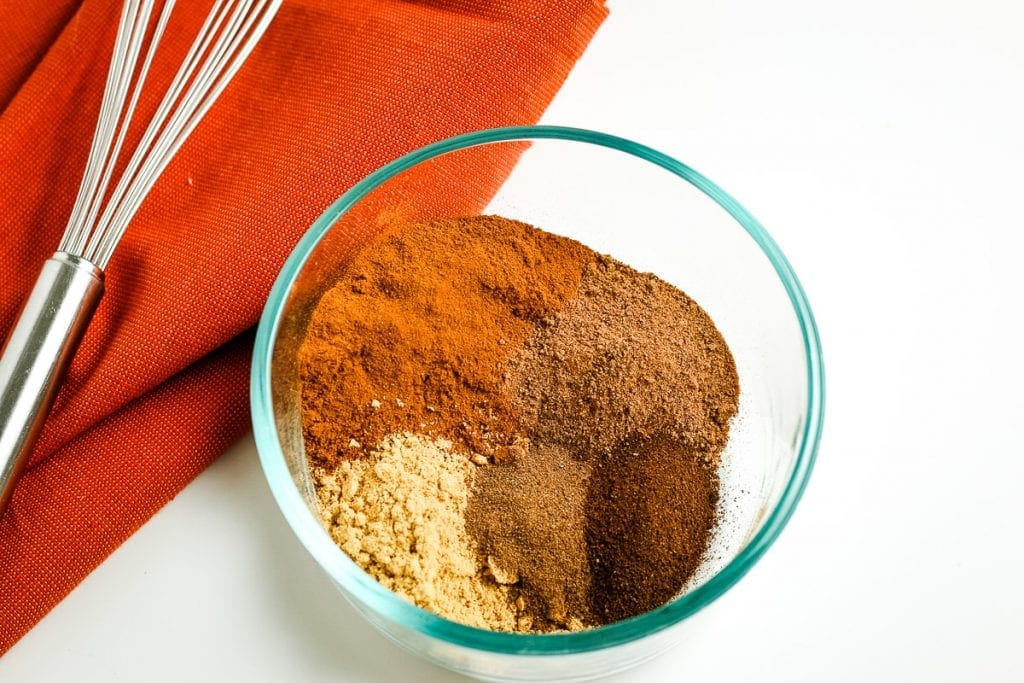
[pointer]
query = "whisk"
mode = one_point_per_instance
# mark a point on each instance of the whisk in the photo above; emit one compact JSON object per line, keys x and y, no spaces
{"x":57,"y":311}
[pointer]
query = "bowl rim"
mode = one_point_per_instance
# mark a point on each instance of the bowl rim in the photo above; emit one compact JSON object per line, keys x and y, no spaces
{"x":349,"y":576}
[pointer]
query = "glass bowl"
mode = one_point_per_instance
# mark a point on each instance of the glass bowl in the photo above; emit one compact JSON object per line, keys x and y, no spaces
{"x":649,"y":211}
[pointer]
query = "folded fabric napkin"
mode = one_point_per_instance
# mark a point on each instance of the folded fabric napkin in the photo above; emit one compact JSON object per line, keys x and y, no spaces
{"x":159,"y":386}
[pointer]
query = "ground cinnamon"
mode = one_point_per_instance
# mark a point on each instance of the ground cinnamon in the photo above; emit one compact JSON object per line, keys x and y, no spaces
{"x":415,"y":334}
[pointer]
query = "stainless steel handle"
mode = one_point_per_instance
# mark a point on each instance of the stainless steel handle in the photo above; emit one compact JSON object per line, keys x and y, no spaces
{"x":37,"y":354}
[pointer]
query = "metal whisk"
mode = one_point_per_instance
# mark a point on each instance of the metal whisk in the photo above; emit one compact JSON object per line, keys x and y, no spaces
{"x":57,"y":312}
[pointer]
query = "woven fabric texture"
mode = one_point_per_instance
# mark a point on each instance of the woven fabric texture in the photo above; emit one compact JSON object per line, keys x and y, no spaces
{"x":159,"y":387}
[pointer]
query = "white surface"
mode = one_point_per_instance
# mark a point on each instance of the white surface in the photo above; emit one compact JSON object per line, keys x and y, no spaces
{"x":881,"y":144}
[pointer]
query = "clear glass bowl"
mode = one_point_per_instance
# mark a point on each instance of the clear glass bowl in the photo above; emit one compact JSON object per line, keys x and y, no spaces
{"x":653,"y":213}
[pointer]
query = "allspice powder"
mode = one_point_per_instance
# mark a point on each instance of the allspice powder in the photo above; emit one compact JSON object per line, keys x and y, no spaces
{"x":528,"y":515}
{"x":513,"y":431}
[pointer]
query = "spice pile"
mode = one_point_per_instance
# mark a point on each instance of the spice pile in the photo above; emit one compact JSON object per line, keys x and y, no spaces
{"x":511,"y":430}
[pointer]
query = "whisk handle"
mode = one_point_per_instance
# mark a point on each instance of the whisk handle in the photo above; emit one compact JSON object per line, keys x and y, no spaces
{"x":37,"y":354}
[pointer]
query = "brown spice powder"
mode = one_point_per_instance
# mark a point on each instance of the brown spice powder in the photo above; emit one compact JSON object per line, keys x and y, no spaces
{"x":634,"y":382}
{"x":528,"y":518}
{"x":630,"y":356}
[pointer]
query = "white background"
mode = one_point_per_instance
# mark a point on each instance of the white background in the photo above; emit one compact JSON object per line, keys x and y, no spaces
{"x":881,"y":143}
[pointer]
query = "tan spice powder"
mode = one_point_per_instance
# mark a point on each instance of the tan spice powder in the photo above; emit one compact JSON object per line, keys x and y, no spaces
{"x":399,"y":513}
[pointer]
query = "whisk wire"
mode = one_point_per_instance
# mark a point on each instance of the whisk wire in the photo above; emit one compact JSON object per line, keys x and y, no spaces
{"x":221,"y":61}
{"x":73,"y":237}
{"x":229,"y":33}
{"x":167,"y":130}
{"x":117,"y":210}
{"x":129,"y":69}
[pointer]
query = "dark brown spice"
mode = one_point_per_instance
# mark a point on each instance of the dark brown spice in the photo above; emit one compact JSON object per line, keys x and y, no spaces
{"x":650,"y":511}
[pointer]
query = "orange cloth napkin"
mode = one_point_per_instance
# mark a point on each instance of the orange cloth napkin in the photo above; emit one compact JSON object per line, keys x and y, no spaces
{"x":160,"y":385}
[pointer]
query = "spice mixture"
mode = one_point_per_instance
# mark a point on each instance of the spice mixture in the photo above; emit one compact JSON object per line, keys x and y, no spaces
{"x":511,"y":430}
